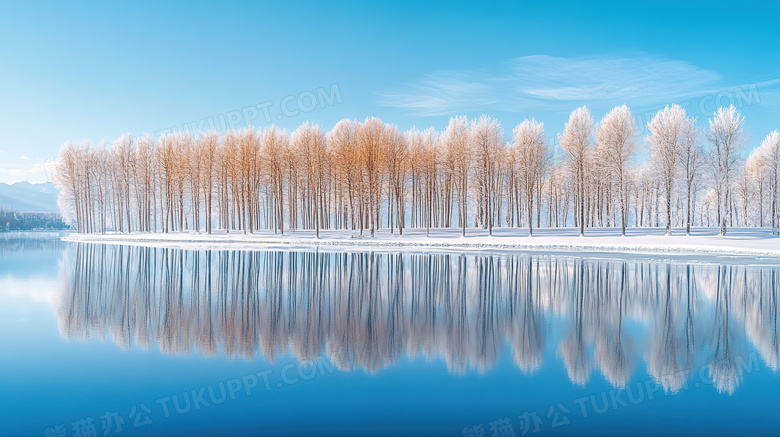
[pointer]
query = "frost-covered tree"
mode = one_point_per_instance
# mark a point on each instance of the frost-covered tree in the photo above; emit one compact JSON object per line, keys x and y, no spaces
{"x":616,"y":136}
{"x":397,"y":168}
{"x":767,"y":162}
{"x":68,"y":178}
{"x":691,"y":159}
{"x":487,"y":140}
{"x":308,"y":143}
{"x":274,"y":145}
{"x":456,"y":142}
{"x":727,"y":137}
{"x":371,"y":144}
{"x":577,"y":141}
{"x":123,"y":169}
{"x":348,"y":179}
{"x":669,"y":130}
{"x":209,"y":146}
{"x":430,"y":180}
{"x":530,"y":158}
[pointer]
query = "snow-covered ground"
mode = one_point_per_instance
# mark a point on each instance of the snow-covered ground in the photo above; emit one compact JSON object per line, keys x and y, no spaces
{"x":738,"y":241}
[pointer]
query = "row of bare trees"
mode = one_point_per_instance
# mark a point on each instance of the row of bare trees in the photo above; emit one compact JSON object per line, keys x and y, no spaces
{"x":369,"y":175}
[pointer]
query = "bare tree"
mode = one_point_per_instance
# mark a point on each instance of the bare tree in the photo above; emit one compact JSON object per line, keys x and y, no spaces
{"x":765,"y":161}
{"x":274,"y":143}
{"x":123,"y":159}
{"x":209,"y":148}
{"x":691,"y":156}
{"x":308,"y":144}
{"x":487,"y":139}
{"x":756,"y":171}
{"x":668,"y":130}
{"x":456,"y":141}
{"x":530,"y":153}
{"x":342,"y":143}
{"x":397,"y":165}
{"x":67,"y":178}
{"x":577,"y":142}
{"x":145,"y":182}
{"x":371,"y":141}
{"x":727,"y":138}
{"x":616,"y":136}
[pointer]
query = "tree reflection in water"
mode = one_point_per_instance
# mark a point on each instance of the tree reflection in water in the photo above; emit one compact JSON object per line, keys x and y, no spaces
{"x":367,"y":310}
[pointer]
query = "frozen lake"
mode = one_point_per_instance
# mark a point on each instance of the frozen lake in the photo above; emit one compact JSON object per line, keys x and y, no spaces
{"x":104,"y":339}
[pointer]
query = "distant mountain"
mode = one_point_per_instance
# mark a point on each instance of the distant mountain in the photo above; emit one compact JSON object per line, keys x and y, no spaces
{"x":27,"y":197}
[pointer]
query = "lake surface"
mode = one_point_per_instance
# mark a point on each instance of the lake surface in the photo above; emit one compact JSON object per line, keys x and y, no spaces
{"x":120,"y":340}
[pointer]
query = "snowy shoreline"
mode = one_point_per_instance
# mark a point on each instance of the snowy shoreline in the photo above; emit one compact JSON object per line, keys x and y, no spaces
{"x":738,"y":241}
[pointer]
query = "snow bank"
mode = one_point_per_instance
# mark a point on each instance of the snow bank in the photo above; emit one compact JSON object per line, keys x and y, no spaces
{"x":738,"y":241}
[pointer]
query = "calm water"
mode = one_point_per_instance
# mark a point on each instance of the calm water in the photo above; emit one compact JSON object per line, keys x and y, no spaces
{"x":114,"y":340}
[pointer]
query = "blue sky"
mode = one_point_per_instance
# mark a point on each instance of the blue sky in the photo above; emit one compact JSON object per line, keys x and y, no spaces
{"x":93,"y":71}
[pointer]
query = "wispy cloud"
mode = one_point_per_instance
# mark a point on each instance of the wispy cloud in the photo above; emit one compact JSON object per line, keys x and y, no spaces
{"x":35,"y":173}
{"x":550,"y":82}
